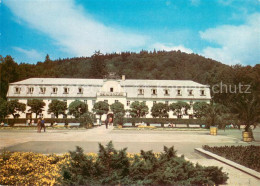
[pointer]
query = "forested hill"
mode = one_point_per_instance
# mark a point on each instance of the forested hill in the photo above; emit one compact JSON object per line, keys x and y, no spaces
{"x":174,"y":65}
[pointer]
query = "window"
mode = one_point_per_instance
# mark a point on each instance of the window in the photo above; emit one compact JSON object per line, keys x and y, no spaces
{"x":85,"y":101}
{"x":154,"y":102}
{"x":167,"y":102}
{"x":190,"y":92}
{"x":66,"y":90}
{"x":52,"y":116}
{"x":80,"y":90}
{"x":202,"y":92}
{"x":93,"y":102}
{"x":116,"y":101}
{"x":179,"y":116}
{"x":140,"y":91}
{"x":154,"y":91}
{"x":128,"y":103}
{"x":190,"y":116}
{"x":30,"y":90}
{"x":65,"y":101}
{"x":42,"y":90}
{"x":166,"y":92}
{"x":179,"y":92}
{"x":191,"y":102}
{"x":54,"y":90}
{"x":106,"y":100}
{"x":41,"y":115}
{"x":111,"y":89}
{"x":17,"y":90}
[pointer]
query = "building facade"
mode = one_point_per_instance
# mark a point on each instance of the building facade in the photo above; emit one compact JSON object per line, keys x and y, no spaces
{"x":110,"y":90}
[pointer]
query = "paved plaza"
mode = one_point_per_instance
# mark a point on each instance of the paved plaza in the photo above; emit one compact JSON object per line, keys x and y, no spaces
{"x":61,"y":141}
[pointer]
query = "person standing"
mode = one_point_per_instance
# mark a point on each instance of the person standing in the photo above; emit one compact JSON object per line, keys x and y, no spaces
{"x":43,"y":125}
{"x":39,"y":123}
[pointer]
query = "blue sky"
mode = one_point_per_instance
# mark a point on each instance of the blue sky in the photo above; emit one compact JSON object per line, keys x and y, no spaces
{"x":224,"y":30}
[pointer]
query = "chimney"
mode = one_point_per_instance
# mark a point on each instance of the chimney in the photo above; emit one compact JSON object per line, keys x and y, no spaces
{"x":123,"y":77}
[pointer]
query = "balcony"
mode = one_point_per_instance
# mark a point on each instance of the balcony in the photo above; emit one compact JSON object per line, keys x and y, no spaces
{"x":122,"y":94}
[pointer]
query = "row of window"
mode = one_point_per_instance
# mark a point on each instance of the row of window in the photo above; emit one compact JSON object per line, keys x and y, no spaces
{"x":166,"y":92}
{"x":80,"y":91}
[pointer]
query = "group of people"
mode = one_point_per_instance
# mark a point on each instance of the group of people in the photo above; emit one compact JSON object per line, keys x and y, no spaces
{"x":41,"y":125}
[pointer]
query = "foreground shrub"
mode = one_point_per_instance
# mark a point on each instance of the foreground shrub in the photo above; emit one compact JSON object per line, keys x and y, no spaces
{"x":244,"y":155}
{"x":116,"y":167}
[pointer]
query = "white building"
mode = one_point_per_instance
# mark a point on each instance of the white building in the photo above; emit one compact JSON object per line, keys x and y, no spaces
{"x":122,"y":90}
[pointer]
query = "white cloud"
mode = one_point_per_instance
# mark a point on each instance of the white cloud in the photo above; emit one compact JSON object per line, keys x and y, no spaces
{"x":237,"y":44}
{"x":72,"y":28}
{"x":30,"y":54}
{"x":168,"y":47}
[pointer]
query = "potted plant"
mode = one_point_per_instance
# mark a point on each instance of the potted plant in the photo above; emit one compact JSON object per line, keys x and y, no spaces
{"x":212,"y":116}
{"x":246,"y":107}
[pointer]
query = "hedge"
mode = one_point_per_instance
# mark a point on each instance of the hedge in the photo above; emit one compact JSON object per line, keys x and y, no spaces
{"x":163,"y":121}
{"x":244,"y":155}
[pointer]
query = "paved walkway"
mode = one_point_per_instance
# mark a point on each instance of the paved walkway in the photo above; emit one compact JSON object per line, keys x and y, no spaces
{"x":60,"y":141}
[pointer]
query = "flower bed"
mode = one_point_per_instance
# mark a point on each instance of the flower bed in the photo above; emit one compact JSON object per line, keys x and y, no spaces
{"x":107,"y":167}
{"x":244,"y":155}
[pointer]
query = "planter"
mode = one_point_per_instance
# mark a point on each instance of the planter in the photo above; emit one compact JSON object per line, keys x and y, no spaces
{"x":247,"y":136}
{"x":213,"y":131}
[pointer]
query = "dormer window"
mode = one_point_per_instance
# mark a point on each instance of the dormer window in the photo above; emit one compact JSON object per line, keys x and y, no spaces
{"x":178,"y":92}
{"x":80,"y":90}
{"x":66,"y":90}
{"x":140,"y":91}
{"x":17,"y":90}
{"x":190,"y":92}
{"x":202,"y":92}
{"x":54,"y":90}
{"x":42,"y":90}
{"x":154,"y":92}
{"x":166,"y":92}
{"x":30,"y":90}
{"x":111,"y":89}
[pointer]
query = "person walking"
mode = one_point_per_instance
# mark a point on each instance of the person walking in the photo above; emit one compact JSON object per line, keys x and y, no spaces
{"x":43,"y":125}
{"x":39,"y":123}
{"x":106,"y":122}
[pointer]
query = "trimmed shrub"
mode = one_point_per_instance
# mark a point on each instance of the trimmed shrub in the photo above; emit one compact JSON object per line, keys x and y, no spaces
{"x":244,"y":155}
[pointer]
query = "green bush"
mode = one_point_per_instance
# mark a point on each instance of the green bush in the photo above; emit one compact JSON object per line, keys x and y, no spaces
{"x":244,"y":155}
{"x":115,"y":167}
{"x":162,"y":120}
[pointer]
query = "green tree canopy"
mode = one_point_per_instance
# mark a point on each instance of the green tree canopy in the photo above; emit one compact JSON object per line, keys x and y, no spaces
{"x":138,"y":109}
{"x":100,"y":108}
{"x":57,"y":107}
{"x":36,"y":105}
{"x":199,"y":109}
{"x":177,"y":107}
{"x":117,"y":108}
{"x":246,"y":107}
{"x":14,"y":107}
{"x":3,"y":108}
{"x":160,"y":110}
{"x":77,"y":108}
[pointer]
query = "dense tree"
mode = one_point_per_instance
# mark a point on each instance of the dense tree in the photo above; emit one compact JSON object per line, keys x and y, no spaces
{"x":138,"y":109}
{"x":160,"y":110}
{"x":199,"y":109}
{"x":3,"y":108}
{"x":119,"y":112}
{"x":98,"y":65}
{"x":36,"y":105}
{"x":57,"y":107}
{"x":179,"y":107}
{"x":14,"y":107}
{"x":100,"y":108}
{"x":77,"y":108}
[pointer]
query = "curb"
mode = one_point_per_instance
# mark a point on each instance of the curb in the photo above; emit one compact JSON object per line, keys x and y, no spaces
{"x":229,"y":162}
